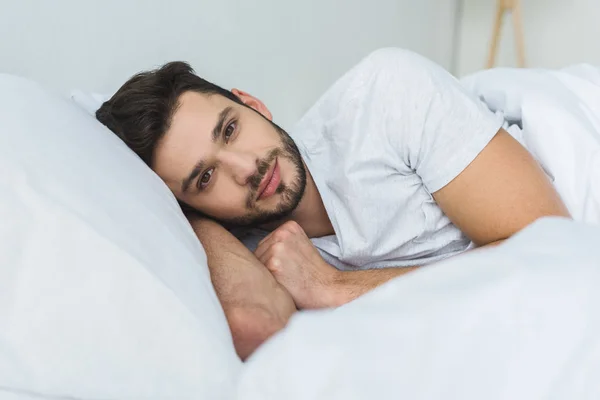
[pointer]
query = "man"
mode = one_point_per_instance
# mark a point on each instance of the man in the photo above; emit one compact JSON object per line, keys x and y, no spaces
{"x":395,"y":166}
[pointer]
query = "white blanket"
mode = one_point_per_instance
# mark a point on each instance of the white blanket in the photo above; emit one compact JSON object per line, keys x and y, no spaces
{"x":559,"y":112}
{"x":520,"y":321}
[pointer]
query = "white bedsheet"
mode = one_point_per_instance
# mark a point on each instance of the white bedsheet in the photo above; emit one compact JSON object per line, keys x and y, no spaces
{"x":520,"y":321}
{"x":560,"y":116}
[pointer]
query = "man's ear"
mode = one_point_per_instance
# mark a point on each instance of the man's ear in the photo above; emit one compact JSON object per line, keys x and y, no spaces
{"x":253,"y":102}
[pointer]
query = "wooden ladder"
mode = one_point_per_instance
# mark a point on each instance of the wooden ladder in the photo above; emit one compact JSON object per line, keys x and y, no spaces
{"x":504,"y":7}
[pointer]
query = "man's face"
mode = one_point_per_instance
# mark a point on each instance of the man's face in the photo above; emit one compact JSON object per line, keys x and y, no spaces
{"x":229,"y":162}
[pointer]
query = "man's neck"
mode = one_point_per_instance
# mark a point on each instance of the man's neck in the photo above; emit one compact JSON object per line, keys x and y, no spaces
{"x":310,"y":214}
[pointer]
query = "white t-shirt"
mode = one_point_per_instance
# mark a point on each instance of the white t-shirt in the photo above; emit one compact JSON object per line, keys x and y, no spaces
{"x":389,"y":133}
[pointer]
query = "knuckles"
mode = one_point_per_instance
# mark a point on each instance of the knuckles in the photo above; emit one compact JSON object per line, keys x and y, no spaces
{"x":274,"y":264}
{"x":293,"y":226}
{"x":287,"y":230}
{"x":281,"y":235}
{"x":278,"y":248}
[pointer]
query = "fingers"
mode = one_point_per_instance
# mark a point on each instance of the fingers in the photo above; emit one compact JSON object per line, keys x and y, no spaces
{"x":281,"y":234}
{"x":263,"y":246}
{"x":266,"y":242}
{"x":263,"y":254}
{"x":272,"y":257}
{"x":283,"y":231}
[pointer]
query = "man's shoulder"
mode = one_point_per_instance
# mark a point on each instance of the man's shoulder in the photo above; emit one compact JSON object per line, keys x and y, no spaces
{"x":394,"y":60}
{"x":391,"y":55}
{"x":400,"y":65}
{"x":356,"y":80}
{"x":388,"y":78}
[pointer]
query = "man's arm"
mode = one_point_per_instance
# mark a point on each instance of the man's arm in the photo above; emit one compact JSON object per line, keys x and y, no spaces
{"x":349,"y":285}
{"x":256,"y":306}
{"x":501,"y":192}
{"x":297,"y":265}
{"x":294,"y":261}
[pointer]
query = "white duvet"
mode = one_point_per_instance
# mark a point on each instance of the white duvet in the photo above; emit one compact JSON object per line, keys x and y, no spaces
{"x":559,"y":111}
{"x":521,"y":321}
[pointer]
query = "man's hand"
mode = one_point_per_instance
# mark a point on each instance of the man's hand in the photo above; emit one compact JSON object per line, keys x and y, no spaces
{"x":297,"y":265}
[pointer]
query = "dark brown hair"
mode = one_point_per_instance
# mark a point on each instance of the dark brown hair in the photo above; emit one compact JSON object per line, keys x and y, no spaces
{"x":140,"y":112}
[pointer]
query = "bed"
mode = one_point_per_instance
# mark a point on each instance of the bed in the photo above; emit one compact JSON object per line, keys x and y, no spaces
{"x":105,"y":294}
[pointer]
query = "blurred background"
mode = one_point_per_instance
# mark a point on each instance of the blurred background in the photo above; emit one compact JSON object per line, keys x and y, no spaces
{"x":285,"y":52}
{"x":556,"y":33}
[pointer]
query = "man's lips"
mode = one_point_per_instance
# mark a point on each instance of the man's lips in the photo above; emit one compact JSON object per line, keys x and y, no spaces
{"x":270,"y":181}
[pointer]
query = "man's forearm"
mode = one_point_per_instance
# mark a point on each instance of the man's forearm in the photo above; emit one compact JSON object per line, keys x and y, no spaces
{"x":349,"y":285}
{"x":255,"y":305}
{"x":235,"y":272}
{"x":297,"y":265}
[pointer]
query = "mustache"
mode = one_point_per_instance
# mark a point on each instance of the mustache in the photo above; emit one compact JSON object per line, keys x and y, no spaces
{"x":261,"y":169}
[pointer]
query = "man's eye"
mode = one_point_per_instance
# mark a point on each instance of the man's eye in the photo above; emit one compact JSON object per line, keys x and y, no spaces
{"x":230,"y":130}
{"x":205,"y":179}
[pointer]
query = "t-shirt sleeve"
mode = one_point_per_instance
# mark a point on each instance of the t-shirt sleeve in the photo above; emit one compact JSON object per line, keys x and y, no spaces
{"x":434,"y":124}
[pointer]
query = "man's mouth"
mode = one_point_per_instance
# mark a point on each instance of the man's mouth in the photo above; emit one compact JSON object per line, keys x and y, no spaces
{"x":270,"y":182}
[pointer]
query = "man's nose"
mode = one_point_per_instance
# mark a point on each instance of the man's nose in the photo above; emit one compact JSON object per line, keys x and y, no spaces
{"x":242,"y":165}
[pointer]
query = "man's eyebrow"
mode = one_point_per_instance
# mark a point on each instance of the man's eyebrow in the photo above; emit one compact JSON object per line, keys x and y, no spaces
{"x":216,"y":133}
{"x":198,"y":168}
{"x":220,"y":122}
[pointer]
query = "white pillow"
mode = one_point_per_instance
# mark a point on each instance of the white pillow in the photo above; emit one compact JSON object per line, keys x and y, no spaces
{"x":104,"y":288}
{"x":520,"y":321}
{"x":90,"y":102}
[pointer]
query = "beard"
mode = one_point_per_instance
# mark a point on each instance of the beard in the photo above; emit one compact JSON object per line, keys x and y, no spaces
{"x":290,"y":193}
